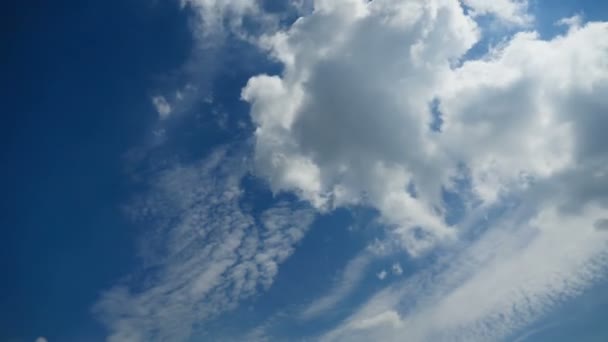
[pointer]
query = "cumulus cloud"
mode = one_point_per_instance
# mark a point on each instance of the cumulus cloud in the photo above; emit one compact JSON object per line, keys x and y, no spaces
{"x":202,"y":252}
{"x":348,"y":120}
{"x":347,"y":123}
{"x":529,"y":113}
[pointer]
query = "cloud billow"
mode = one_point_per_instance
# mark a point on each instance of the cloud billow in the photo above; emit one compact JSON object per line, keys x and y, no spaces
{"x":347,"y":123}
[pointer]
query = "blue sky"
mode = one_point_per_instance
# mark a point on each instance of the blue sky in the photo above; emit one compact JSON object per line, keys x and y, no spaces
{"x":271,"y":171}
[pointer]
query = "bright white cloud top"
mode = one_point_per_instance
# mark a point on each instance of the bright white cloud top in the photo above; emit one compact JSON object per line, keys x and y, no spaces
{"x":349,"y":122}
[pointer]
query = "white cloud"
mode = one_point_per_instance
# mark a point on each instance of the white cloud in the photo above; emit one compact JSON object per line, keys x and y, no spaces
{"x":41,"y":339}
{"x":347,"y":122}
{"x":526,"y":119}
{"x":246,"y":19}
{"x":214,"y":12}
{"x":527,"y":112}
{"x":396,"y":269}
{"x":571,"y":22}
{"x":382,"y":274}
{"x":202,"y":253}
{"x":506,"y":280}
{"x":163,"y":108}
{"x":215,"y":26}
{"x":351,"y":108}
{"x":509,"y":11}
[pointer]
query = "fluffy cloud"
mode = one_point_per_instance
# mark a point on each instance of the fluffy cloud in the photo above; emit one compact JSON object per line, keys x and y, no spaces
{"x":202,"y":252}
{"x":348,"y":121}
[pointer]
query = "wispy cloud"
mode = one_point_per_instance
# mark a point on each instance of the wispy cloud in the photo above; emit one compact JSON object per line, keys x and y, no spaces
{"x":203,"y":253}
{"x":489,"y":290}
{"x":349,"y":278}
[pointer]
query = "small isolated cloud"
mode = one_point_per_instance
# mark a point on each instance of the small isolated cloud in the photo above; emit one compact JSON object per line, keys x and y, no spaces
{"x":396,"y":269}
{"x":163,"y":108}
{"x":512,"y":12}
{"x":571,"y":22}
{"x":382,"y":274}
{"x":41,"y":339}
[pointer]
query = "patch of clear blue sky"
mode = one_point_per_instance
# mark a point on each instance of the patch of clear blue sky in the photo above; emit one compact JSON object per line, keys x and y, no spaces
{"x":548,"y":12}
{"x":77,"y":78}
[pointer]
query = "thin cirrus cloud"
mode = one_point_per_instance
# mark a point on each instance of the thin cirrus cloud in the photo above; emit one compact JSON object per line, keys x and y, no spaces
{"x":491,"y":289}
{"x":349,"y":278}
{"x":347,"y":122}
{"x":202,"y":253}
